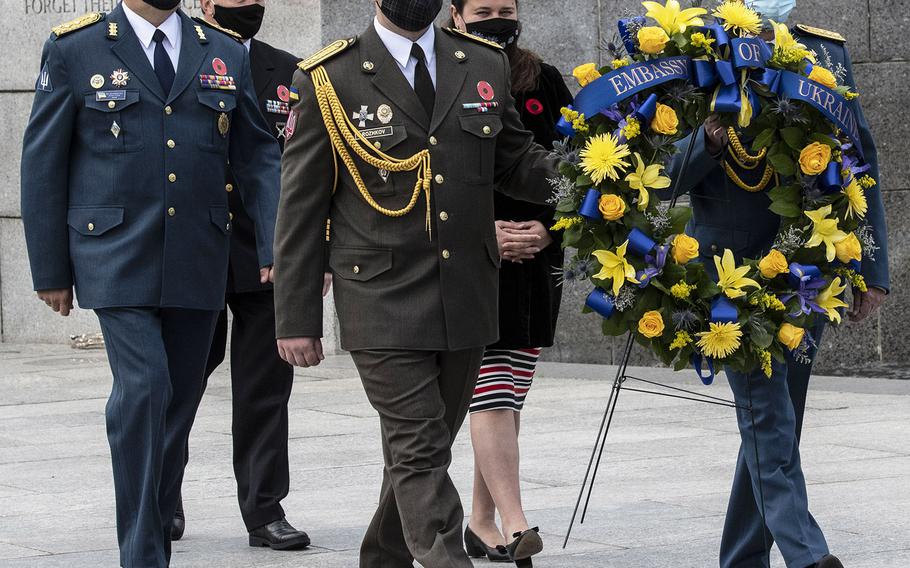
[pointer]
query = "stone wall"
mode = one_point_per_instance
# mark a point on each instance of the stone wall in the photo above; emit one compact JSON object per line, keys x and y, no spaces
{"x":565,"y":33}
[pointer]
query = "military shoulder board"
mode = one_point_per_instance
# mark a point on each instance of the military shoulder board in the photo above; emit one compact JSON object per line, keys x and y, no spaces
{"x":234,"y":35}
{"x":77,"y":24}
{"x":326,"y":53}
{"x":819,"y":32}
{"x":458,"y":33}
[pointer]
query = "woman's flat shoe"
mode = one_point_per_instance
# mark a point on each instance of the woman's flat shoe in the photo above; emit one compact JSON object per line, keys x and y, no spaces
{"x":526,"y":544}
{"x":477,"y":548}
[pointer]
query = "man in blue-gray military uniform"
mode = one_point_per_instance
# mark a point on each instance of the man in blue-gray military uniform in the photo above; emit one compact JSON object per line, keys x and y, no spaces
{"x":135,"y":117}
{"x":728,"y":216}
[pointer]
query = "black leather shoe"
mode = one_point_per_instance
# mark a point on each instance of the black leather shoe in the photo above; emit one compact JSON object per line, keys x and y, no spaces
{"x":477,"y":548}
{"x":279,"y":535}
{"x":179,"y":524}
{"x":526,"y":544}
{"x":829,"y":562}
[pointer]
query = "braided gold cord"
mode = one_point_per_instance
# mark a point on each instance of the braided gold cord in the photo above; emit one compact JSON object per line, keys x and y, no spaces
{"x":761,"y":185}
{"x":743,"y":158}
{"x":344,"y":134}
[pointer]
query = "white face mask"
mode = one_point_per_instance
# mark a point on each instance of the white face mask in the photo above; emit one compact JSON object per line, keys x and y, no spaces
{"x":777,"y":10}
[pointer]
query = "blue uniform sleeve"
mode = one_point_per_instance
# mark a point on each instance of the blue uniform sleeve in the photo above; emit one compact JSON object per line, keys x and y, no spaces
{"x":701,"y":163}
{"x":45,"y":172}
{"x":875,"y":271}
{"x":256,"y":164}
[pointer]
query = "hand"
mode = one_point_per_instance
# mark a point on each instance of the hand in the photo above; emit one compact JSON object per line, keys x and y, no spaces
{"x":716,"y":138}
{"x":864,"y":303}
{"x":59,"y":300}
{"x":517,"y":241}
{"x":301,"y":351}
{"x":267,"y":275}
{"x":326,"y":284}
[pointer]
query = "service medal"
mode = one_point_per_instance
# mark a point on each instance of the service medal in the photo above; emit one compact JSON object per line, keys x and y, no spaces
{"x":120,"y":78}
{"x":97,"y":81}
{"x":224,"y":124}
{"x":384,"y":113}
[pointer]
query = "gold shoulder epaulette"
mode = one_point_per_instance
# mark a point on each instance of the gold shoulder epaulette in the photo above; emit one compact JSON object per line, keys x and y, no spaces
{"x":458,"y":33}
{"x":826,"y":34}
{"x":326,"y":53}
{"x":77,"y":24}
{"x":234,"y":35}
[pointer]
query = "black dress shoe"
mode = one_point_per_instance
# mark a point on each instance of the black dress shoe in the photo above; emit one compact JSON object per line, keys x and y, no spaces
{"x":477,"y":548}
{"x":526,"y":544}
{"x":179,"y":524}
{"x":279,"y":535}
{"x":829,"y":562}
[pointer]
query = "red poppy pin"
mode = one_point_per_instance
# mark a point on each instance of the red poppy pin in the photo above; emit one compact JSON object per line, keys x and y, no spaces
{"x":283,"y":93}
{"x":485,"y":90}
{"x":534,"y":106}
{"x":219,"y":66}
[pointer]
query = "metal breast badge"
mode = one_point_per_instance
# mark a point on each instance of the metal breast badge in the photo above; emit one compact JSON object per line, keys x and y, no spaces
{"x":224,"y":124}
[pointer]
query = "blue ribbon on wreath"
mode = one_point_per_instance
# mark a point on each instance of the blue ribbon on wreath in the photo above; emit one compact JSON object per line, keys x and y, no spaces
{"x":643,"y":113}
{"x":590,"y":206}
{"x":808,"y":281}
{"x":601,"y":302}
{"x":832,"y":180}
{"x":626,"y":28}
{"x":722,"y":311}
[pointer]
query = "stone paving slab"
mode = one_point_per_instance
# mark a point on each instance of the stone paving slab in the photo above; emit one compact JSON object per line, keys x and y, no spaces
{"x":659,"y":502}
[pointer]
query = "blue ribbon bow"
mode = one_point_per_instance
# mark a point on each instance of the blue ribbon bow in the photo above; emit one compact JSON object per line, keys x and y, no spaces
{"x":722,"y":311}
{"x":590,"y":206}
{"x":808,"y":281}
{"x":601,"y":302}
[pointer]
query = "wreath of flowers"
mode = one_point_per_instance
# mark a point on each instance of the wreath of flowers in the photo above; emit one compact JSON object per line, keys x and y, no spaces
{"x":632,"y":245}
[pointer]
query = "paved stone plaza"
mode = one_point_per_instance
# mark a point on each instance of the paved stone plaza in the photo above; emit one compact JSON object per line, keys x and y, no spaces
{"x":660,"y":499}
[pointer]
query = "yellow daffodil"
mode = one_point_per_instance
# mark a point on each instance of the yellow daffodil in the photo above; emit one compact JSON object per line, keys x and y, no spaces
{"x":824,"y":231}
{"x":671,"y":18}
{"x":738,"y":17}
{"x":602,"y":157}
{"x":615,"y":267}
{"x":849,"y":249}
{"x":829,"y":300}
{"x":646,"y":177}
{"x":732,"y":279}
{"x":856,"y":200}
{"x":721,"y":340}
{"x":784,"y":41}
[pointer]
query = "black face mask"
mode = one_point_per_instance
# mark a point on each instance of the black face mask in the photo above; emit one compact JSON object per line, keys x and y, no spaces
{"x":411,"y":15}
{"x":245,"y":20}
{"x":163,"y":4}
{"x":503,"y":31}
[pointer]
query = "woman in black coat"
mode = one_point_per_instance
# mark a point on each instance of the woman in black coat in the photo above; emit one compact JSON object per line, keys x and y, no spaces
{"x":528,"y":302}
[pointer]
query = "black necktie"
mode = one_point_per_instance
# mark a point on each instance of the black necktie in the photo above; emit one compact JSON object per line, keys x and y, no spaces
{"x":423,"y":84}
{"x":164,"y":69}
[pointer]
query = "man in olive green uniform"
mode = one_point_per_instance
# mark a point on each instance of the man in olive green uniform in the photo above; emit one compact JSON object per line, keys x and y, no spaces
{"x":415,"y":266}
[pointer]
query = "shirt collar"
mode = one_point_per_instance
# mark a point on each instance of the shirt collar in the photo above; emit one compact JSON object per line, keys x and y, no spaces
{"x":246,"y":44}
{"x":145,"y":30}
{"x":400,"y":47}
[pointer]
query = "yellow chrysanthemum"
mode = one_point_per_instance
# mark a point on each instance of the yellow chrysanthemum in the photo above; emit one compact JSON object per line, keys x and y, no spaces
{"x":824,"y":231}
{"x":738,"y":17}
{"x":721,"y":340}
{"x":856,"y":200}
{"x":681,"y":340}
{"x":602,"y":157}
{"x":646,"y":177}
{"x":730,"y":278}
{"x":671,"y":18}
{"x":615,"y":267}
{"x":829,"y":300}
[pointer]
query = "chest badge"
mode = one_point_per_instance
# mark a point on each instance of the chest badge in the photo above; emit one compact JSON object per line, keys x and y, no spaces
{"x":224,"y":124}
{"x":363,"y":116}
{"x":284,"y":94}
{"x":115,"y":129}
{"x":219,"y":66}
{"x":119,"y":78}
{"x":279,"y":126}
{"x":384,"y":113}
{"x":97,"y":81}
{"x":277,"y":107}
{"x":485,"y":90}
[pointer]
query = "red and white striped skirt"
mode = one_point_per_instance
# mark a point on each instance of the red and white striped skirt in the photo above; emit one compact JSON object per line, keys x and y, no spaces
{"x":505,"y":379}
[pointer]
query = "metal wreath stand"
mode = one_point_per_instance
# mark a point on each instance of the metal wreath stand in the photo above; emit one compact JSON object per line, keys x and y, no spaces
{"x":649,"y":386}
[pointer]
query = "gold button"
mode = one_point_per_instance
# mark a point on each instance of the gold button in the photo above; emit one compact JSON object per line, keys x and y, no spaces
{"x":459,"y":54}
{"x":487,"y":130}
{"x":227,"y":227}
{"x":443,"y":215}
{"x":91,"y":226}
{"x":713,"y":248}
{"x":111,"y":104}
{"x":356,"y":269}
{"x":433,"y":141}
{"x":171,"y":211}
{"x":368,"y":65}
{"x":229,"y":188}
{"x":377,"y":144}
{"x":439,"y":179}
{"x":168,"y":110}
{"x":171,"y":144}
{"x":220,"y":104}
{"x":172,"y":178}
{"x":231,"y":216}
{"x":446,"y":254}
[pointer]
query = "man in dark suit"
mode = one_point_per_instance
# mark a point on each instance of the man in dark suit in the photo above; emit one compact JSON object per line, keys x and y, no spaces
{"x":260,"y":380}
{"x":135,"y":117}
{"x":424,"y":129}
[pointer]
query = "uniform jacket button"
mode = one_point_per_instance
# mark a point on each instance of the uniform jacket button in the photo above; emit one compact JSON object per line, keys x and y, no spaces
{"x":229,"y":188}
{"x":111,"y":104}
{"x":439,"y":179}
{"x":487,"y":130}
{"x":356,"y":269}
{"x":171,"y":144}
{"x":168,"y":110}
{"x":171,"y":211}
{"x":91,"y":226}
{"x":433,"y":141}
{"x":172,"y":178}
{"x":443,"y":215}
{"x":446,"y":254}
{"x":713,"y":248}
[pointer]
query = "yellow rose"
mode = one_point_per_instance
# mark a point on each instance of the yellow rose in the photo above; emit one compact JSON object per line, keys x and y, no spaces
{"x":791,"y":336}
{"x":821,"y":75}
{"x":849,"y":249}
{"x":684,"y":249}
{"x":665,"y":120}
{"x":586,"y":73}
{"x":651,"y":324}
{"x":814,"y":158}
{"x":774,"y":264}
{"x":652,"y":39}
{"x":612,"y":207}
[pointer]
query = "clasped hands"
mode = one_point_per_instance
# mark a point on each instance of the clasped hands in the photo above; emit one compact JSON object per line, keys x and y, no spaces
{"x":522,"y":240}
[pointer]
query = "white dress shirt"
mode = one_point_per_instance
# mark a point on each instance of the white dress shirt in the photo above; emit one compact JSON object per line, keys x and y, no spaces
{"x":171,"y":27}
{"x":400,"y":48}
